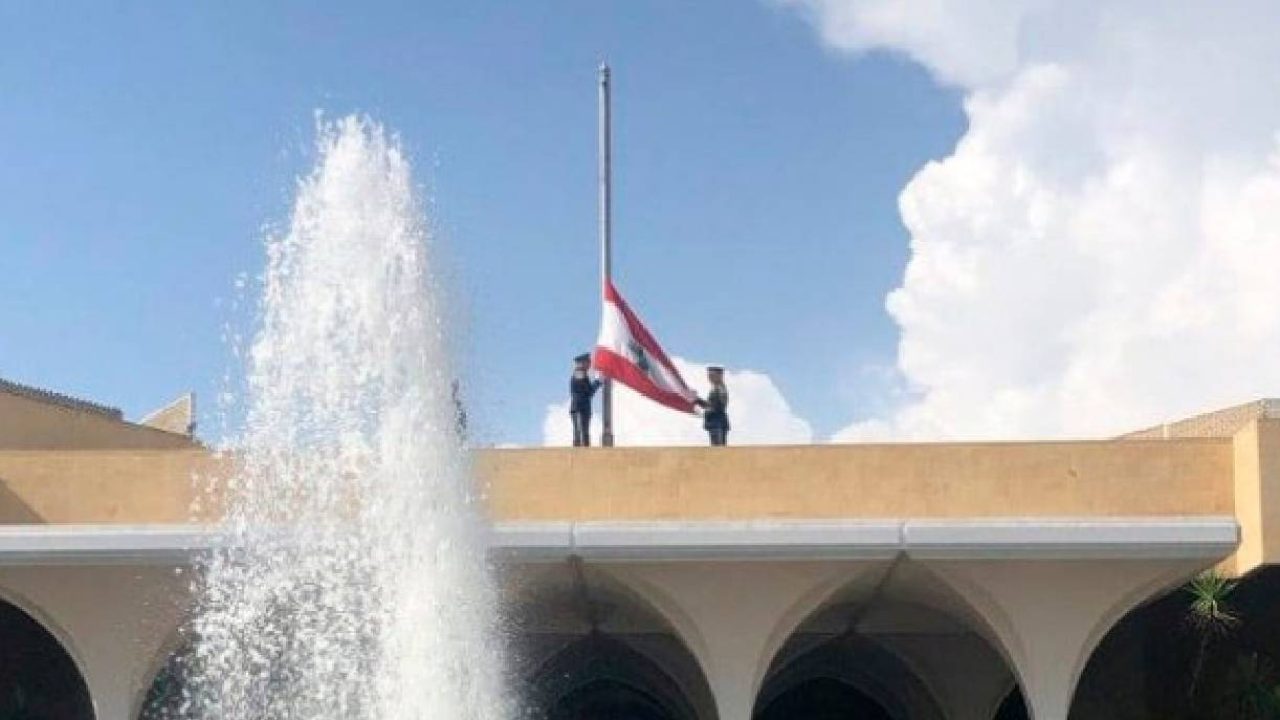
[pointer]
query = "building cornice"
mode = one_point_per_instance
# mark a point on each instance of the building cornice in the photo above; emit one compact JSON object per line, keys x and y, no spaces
{"x":523,"y":542}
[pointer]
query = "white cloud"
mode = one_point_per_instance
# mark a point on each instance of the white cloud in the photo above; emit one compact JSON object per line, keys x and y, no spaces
{"x":964,"y":42}
{"x":758,"y":413}
{"x":1102,"y":248}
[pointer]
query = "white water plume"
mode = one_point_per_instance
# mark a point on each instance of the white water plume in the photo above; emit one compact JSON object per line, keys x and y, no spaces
{"x":354,"y":582}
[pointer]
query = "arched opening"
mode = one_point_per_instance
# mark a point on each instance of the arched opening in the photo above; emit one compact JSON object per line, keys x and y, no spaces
{"x":607,"y":699}
{"x":1164,"y":660}
{"x":588,"y":648}
{"x":38,"y":679}
{"x":823,"y":698}
{"x":902,"y":641}
{"x":841,"y":666}
{"x":600,"y":678}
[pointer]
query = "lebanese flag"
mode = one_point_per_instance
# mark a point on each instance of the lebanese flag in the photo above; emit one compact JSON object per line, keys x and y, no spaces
{"x":626,"y":352}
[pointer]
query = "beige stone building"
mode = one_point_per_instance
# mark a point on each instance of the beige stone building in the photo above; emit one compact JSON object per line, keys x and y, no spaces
{"x":944,"y":581}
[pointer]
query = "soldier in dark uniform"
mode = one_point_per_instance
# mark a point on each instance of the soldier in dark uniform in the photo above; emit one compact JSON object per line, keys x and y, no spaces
{"x":581,"y":389}
{"x":715,"y":409}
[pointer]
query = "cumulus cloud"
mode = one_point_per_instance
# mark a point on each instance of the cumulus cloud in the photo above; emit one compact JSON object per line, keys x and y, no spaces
{"x":1101,"y":250}
{"x":758,"y":413}
{"x":962,"y":42}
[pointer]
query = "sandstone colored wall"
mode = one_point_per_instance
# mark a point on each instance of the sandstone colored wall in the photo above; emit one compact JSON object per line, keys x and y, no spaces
{"x":28,"y":424}
{"x":1256,"y":449}
{"x":103,"y":486}
{"x":1111,"y":479}
{"x":1105,"y":479}
{"x":1218,"y":424}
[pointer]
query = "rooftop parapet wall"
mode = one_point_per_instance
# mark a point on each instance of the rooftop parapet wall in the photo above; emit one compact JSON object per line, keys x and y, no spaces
{"x":1222,"y":423}
{"x":1105,"y":479}
{"x":31,"y":421}
{"x":104,"y":486}
{"x":1078,"y":479}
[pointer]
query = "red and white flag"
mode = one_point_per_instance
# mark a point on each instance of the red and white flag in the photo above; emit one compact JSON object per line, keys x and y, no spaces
{"x":626,"y":352}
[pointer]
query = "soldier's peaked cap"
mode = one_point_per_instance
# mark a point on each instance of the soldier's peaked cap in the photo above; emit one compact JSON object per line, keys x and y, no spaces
{"x":584,"y":357}
{"x":715,"y":368}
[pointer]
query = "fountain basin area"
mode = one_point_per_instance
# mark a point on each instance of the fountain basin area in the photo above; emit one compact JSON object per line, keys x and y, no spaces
{"x":935,"y":580}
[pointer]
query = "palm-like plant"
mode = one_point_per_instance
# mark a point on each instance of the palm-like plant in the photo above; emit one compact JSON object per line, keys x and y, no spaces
{"x":1210,"y":615}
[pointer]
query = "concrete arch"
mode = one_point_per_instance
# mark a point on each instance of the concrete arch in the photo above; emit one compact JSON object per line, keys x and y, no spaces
{"x":597,"y":658}
{"x":945,"y":667}
{"x":98,"y":607}
{"x":985,"y":616}
{"x":59,"y":638}
{"x":666,"y":606}
{"x":1143,"y":664}
{"x":174,"y":643}
{"x":1012,"y":707}
{"x":818,"y":595}
{"x":553,"y":611}
{"x":173,"y":649}
{"x":742,"y":611}
{"x":811,"y":592}
{"x":864,"y":665}
{"x":38,"y":614}
{"x":1154,"y":587}
{"x":947,"y":676}
{"x":1046,"y":616}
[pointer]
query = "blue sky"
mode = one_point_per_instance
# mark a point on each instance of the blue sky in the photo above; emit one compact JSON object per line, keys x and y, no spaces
{"x":144,"y":147}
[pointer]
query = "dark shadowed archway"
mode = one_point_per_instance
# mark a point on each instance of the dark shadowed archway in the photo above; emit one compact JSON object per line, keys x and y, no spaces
{"x":585,"y":646}
{"x":601,"y":678}
{"x":900,"y":639}
{"x":1157,"y":662}
{"x":607,"y":699}
{"x":823,"y":698}
{"x":833,"y":671}
{"x":38,"y":679}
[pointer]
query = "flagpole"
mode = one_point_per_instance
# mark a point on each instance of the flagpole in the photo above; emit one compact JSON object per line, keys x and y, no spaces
{"x":606,"y":241}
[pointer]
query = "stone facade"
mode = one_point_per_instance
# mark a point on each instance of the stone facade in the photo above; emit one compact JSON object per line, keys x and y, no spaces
{"x":713,"y":584}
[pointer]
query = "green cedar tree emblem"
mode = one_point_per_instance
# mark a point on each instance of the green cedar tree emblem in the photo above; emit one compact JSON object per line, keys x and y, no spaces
{"x":638,"y":356}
